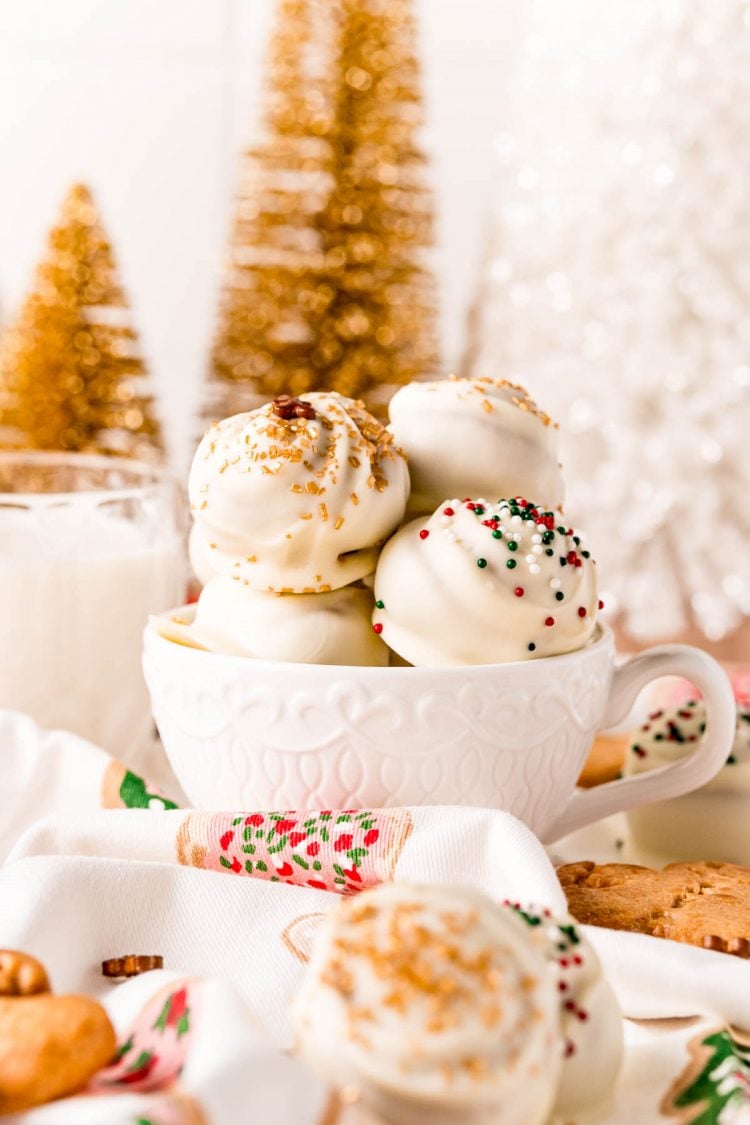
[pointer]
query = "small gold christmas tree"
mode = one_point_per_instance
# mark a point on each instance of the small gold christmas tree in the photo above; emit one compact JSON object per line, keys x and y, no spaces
{"x":70,"y":374}
{"x":327,"y":287}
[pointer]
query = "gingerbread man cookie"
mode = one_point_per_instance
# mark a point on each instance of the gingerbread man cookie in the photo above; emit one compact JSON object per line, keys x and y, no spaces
{"x":50,"y":1046}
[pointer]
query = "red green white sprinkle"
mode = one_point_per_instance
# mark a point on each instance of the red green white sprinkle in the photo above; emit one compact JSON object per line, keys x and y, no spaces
{"x":423,"y":533}
{"x":377,"y":628}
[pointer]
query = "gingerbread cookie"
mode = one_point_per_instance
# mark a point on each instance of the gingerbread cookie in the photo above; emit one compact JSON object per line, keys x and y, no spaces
{"x":703,"y":903}
{"x":50,"y":1046}
{"x":605,"y":761}
{"x":21,"y":975}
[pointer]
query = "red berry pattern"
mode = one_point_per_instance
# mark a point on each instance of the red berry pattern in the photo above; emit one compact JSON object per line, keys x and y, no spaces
{"x":343,"y":851}
{"x":153,"y":1053}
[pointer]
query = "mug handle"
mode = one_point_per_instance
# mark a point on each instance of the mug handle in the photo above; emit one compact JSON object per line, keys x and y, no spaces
{"x":682,"y":776}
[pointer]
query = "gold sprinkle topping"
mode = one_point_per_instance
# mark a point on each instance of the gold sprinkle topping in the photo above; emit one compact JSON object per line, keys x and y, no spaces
{"x":474,"y":1066}
{"x":490,"y":1015}
{"x":435,"y":968}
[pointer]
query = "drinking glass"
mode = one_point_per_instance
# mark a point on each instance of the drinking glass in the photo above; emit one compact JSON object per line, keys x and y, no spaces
{"x":89,"y":547}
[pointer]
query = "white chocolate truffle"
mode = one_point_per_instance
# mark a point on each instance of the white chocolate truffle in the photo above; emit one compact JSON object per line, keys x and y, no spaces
{"x":332,"y":628}
{"x":202,"y":557}
{"x":433,"y":1005}
{"x":297,"y":496}
{"x":475,"y":437}
{"x":481,"y":583}
{"x":710,"y":821}
{"x":590,"y":1016}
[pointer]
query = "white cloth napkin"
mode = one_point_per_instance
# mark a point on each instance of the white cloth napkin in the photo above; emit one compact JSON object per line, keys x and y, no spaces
{"x":232,"y":902}
{"x":190,"y":1051}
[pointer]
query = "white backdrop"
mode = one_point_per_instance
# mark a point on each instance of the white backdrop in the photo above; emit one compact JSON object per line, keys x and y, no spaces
{"x":149,"y":101}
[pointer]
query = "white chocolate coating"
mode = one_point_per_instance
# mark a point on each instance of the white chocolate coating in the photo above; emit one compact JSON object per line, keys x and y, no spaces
{"x":591,"y":1020}
{"x":435,"y":1006}
{"x":202,"y":557}
{"x":298,"y":505}
{"x":475,"y":584}
{"x":332,"y":628}
{"x":475,"y":437}
{"x":711,"y":822}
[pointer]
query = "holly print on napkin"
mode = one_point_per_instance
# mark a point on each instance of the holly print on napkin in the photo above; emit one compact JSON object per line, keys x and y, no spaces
{"x":331,"y":850}
{"x":122,"y":789}
{"x":153,"y":1054}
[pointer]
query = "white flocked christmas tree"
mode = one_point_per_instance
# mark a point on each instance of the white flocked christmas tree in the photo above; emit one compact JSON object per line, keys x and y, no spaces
{"x":617,"y":288}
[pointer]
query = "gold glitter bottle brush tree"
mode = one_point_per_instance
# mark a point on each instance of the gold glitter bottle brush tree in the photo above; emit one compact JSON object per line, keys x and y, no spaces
{"x":71,"y":376}
{"x":327,"y":286}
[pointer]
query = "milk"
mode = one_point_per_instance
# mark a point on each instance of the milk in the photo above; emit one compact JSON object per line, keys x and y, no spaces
{"x":76,"y":587}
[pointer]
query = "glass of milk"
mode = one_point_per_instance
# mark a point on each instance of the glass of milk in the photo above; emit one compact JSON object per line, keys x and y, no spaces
{"x":89,"y":547}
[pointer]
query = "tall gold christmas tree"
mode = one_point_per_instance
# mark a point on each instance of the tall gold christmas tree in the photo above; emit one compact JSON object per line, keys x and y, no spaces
{"x":71,"y":377}
{"x":327,"y":286}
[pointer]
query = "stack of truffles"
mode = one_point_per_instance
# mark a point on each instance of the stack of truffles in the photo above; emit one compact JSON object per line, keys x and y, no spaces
{"x":300,"y":541}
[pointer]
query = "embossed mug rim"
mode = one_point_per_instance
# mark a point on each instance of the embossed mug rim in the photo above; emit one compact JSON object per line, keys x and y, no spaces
{"x":610,"y":686}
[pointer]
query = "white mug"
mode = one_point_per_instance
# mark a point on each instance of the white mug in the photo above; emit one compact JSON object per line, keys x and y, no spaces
{"x":254,"y":734}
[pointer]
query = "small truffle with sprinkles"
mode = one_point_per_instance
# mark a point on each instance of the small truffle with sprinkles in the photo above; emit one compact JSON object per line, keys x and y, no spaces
{"x":296,"y":496}
{"x":433,"y":1005}
{"x":711,"y":820}
{"x":672,"y":732}
{"x":484,"y":436}
{"x":473,"y":584}
{"x":590,"y":1017}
